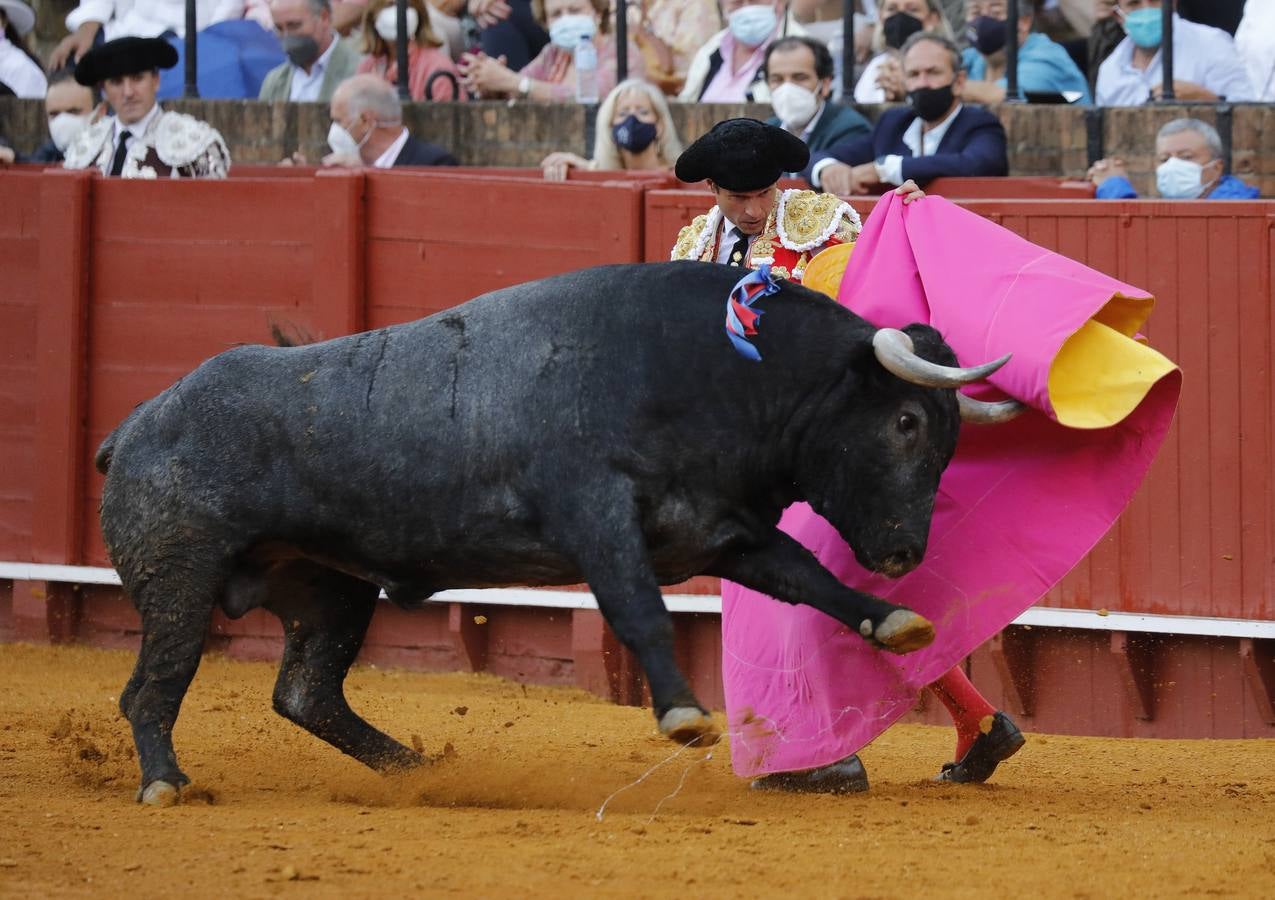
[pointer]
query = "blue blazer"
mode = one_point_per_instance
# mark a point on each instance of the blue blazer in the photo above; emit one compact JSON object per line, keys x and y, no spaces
{"x":975,"y":144}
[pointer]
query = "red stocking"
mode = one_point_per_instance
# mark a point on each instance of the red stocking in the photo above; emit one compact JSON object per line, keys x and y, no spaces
{"x":966,"y":705}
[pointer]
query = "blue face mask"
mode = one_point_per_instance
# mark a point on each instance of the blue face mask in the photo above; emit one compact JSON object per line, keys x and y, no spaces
{"x":567,"y":32}
{"x":752,"y":24}
{"x":1143,"y":27}
{"x":633,"y":134}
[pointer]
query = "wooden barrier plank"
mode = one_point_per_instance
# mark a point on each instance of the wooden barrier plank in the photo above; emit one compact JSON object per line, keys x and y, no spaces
{"x":218,"y":274}
{"x":247,"y":212}
{"x":1220,"y":239}
{"x":1254,"y":437}
{"x":339,"y":251}
{"x":61,"y":348}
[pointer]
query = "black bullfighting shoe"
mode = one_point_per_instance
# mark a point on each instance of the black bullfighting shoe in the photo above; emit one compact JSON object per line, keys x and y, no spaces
{"x":1000,"y":742}
{"x":844,"y":777}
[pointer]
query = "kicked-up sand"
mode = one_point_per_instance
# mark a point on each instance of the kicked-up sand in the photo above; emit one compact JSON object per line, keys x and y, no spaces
{"x":511,"y":807}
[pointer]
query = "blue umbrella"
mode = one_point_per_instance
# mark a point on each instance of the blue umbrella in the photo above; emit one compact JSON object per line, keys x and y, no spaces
{"x":233,"y":56}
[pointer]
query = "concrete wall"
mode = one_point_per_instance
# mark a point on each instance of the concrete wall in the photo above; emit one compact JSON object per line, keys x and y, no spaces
{"x":1044,"y":140}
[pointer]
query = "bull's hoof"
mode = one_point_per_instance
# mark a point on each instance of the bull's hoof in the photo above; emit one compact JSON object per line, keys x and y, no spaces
{"x":159,"y":793}
{"x":689,"y":725}
{"x":903,"y":631}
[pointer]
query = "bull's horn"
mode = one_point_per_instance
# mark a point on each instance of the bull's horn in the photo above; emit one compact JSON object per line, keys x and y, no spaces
{"x":984,"y":412}
{"x":894,"y":351}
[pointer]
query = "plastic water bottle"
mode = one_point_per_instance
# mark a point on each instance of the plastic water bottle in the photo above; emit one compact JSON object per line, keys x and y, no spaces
{"x":586,"y":60}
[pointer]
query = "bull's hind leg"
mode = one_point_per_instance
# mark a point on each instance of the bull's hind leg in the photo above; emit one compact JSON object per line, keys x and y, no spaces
{"x":173,"y":629}
{"x":325,"y":615}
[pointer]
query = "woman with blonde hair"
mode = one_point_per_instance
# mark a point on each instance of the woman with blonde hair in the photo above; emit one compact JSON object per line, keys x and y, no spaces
{"x":635,"y":132}
{"x":551,"y":76}
{"x":426,"y":53}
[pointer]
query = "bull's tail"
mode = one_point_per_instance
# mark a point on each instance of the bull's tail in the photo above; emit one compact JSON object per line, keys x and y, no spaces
{"x":105,"y":452}
{"x":102,"y":459}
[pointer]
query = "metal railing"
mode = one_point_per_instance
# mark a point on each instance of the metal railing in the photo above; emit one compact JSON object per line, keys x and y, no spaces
{"x":1012,"y":92}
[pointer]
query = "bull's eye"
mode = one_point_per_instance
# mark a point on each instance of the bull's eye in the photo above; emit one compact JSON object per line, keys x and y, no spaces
{"x":907,"y":423}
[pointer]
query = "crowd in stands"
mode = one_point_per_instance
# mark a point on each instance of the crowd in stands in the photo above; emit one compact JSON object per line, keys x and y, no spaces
{"x":943,"y":63}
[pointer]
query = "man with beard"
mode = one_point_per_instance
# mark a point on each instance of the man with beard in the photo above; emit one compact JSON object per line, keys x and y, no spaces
{"x":935,"y":135}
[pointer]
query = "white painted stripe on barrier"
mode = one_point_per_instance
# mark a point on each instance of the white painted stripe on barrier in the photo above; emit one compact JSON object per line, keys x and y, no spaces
{"x":1037,"y":616}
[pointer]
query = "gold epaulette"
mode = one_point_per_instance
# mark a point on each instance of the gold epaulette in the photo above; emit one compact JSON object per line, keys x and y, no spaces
{"x":810,"y":219}
{"x":690,"y":240}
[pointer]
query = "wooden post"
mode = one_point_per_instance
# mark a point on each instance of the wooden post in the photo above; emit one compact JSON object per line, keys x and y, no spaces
{"x":1135,"y":660}
{"x":1012,"y":653}
{"x":468,"y":636}
{"x":340,"y":235}
{"x":57,"y":519}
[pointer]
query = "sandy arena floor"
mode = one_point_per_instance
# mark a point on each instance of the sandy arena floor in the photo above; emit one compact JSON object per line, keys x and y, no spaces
{"x":511,"y":810}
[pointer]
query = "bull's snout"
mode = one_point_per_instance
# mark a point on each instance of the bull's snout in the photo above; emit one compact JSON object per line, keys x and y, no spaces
{"x":900,"y":562}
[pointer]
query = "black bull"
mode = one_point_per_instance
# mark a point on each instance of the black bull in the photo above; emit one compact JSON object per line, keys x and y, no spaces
{"x":596,"y":427}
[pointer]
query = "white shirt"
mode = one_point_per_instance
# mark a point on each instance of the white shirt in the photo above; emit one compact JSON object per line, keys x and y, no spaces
{"x":386,"y":159}
{"x":150,"y":18}
{"x":306,"y":87}
{"x":1255,"y":41}
{"x":1202,"y":55}
{"x":20,"y":72}
{"x":866,"y":89}
{"x":136,"y":130}
{"x":921,"y":143}
{"x":726,"y":243}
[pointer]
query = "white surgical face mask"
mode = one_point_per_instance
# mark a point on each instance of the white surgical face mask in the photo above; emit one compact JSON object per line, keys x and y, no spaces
{"x":794,"y":105}
{"x":566,"y":32}
{"x":65,"y":126}
{"x":343,"y":143}
{"x":751,"y":25}
{"x":1179,"y":179}
{"x":387,"y":23}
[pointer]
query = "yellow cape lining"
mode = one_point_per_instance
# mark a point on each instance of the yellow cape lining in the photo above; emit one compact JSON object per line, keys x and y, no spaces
{"x":1099,"y":375}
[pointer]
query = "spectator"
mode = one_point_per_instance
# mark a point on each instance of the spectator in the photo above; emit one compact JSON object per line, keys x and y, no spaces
{"x":347,"y":19}
{"x":509,"y":30}
{"x":1255,"y":41}
{"x":798,"y":73}
{"x":897,"y":20}
{"x":1205,"y":64}
{"x":641,"y":135}
{"x":1189,"y":166}
{"x":669,"y":32}
{"x":1104,"y":36}
{"x":140,"y":139}
{"x":936,"y":135}
{"x":1043,"y":66}
{"x":425,"y":54}
{"x":728,"y":68}
{"x":318,"y":60}
{"x":69,"y":107}
{"x":95,"y":21}
{"x":551,"y":76}
{"x":21,"y":73}
{"x":367,"y":129}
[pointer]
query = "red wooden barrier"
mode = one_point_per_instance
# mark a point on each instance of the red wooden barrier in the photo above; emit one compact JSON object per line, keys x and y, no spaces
{"x":437,"y":238}
{"x":111,"y":290}
{"x":19,"y":302}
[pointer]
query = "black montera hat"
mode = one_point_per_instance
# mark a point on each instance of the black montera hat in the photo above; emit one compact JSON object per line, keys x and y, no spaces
{"x":743,"y":155}
{"x":124,"y":56}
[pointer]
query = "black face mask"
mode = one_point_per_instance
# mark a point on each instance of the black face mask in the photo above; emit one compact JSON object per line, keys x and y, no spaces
{"x":302,"y":50}
{"x":987,"y":34}
{"x":898,"y":28}
{"x":931,"y":104}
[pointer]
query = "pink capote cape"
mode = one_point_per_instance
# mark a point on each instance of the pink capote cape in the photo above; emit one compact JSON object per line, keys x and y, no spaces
{"x":1019,"y":505}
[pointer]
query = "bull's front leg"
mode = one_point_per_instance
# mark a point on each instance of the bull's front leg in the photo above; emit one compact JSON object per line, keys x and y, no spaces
{"x":787,"y":571}
{"x":611,"y":554}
